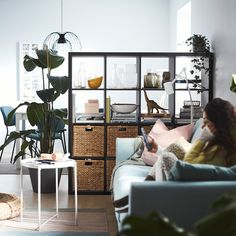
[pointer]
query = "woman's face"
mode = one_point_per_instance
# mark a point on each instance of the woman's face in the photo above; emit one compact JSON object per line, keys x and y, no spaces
{"x":208,"y":123}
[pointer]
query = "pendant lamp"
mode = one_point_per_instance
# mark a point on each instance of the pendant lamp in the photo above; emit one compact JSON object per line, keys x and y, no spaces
{"x":63,"y":41}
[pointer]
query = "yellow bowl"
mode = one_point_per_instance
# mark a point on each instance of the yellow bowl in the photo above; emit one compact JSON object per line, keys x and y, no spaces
{"x":95,"y":83}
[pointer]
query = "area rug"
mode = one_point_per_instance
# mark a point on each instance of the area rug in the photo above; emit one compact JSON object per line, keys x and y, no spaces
{"x":90,"y":222}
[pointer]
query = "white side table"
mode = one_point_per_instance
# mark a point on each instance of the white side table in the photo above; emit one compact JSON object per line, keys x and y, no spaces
{"x":31,"y":163}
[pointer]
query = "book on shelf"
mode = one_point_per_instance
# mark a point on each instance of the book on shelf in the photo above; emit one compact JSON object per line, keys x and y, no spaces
{"x":89,"y":121}
{"x":90,"y":117}
{"x":108,"y":109}
{"x":129,"y":117}
{"x":184,"y":120}
{"x":154,"y":117}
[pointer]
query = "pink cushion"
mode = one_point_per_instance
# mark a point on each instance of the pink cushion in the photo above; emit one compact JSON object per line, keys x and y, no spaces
{"x":159,"y":127}
{"x":164,"y":137}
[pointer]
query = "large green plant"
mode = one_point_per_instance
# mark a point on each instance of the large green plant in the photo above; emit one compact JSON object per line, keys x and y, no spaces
{"x":41,"y":114}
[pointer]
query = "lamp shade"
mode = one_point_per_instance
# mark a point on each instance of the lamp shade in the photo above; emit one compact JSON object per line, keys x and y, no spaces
{"x":168,"y":86}
{"x":67,"y":41}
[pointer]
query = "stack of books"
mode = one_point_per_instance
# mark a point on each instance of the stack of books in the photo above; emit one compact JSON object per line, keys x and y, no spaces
{"x":123,"y":118}
{"x":185,"y":111}
{"x":90,"y":117}
{"x":152,"y":118}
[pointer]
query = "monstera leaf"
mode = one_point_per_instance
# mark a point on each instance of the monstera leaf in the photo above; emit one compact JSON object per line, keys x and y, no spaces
{"x":46,"y":59}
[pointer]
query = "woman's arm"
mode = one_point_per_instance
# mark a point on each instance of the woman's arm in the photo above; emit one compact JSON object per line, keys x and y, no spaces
{"x":196,"y":154}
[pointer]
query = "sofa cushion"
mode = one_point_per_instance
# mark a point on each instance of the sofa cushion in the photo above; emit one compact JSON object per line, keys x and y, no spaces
{"x":164,"y":138}
{"x":124,"y":176}
{"x":197,"y":130}
{"x":183,"y":171}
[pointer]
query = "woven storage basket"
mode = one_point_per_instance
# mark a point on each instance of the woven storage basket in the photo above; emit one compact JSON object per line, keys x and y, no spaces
{"x":114,"y":132}
{"x":88,"y":141}
{"x":90,"y":175}
{"x":109,"y":168}
{"x":9,"y":206}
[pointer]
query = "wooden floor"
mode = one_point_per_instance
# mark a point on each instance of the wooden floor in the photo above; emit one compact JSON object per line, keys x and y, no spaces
{"x":11,"y":184}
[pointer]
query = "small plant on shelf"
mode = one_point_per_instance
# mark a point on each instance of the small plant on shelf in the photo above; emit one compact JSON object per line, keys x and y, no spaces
{"x":199,"y":44}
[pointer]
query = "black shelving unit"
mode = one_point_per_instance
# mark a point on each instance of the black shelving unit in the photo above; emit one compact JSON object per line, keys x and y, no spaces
{"x":172,"y":60}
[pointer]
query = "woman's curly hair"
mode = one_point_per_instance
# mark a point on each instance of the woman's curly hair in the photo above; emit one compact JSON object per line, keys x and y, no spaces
{"x":222,"y":114}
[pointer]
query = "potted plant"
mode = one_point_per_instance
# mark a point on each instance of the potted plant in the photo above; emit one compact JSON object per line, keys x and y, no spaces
{"x":198,"y":44}
{"x":41,"y":114}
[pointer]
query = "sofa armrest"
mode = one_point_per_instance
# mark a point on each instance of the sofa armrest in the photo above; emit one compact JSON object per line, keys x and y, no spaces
{"x":182,"y":202}
{"x":125,"y":147}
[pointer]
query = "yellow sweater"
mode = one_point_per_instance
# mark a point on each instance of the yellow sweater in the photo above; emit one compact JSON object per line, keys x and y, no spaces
{"x":214,"y":155}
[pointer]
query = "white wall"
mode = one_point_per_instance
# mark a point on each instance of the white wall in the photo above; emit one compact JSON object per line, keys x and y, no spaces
{"x":216,"y":19}
{"x":102,"y":25}
{"x":115,"y":25}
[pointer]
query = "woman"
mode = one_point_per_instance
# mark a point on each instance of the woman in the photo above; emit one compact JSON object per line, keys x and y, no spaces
{"x":216,"y":144}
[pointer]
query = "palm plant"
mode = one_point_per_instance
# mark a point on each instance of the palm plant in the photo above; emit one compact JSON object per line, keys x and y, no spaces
{"x":41,"y":114}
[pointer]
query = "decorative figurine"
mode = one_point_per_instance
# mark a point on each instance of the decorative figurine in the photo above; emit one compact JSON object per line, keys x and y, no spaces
{"x":151,"y":105}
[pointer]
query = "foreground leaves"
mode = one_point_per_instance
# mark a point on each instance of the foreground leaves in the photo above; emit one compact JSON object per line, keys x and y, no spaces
{"x":154,"y":224}
{"x":222,"y":221}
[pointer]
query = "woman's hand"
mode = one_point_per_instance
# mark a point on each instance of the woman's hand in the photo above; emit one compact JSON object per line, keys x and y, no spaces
{"x":153,"y":144}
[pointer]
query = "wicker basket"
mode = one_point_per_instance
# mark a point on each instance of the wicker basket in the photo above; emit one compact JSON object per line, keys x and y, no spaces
{"x":114,"y":132}
{"x":88,"y":141}
{"x":109,"y":168}
{"x":90,"y":175}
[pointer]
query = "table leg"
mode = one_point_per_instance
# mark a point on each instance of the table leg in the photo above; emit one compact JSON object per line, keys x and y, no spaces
{"x":76,"y":197}
{"x":21,"y":194}
{"x":39,"y":197}
{"x":56,"y":170}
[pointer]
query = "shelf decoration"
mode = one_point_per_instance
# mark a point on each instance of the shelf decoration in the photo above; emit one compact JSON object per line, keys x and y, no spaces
{"x":95,"y":83}
{"x":152,"y":105}
{"x":152,"y":80}
{"x":108,"y":109}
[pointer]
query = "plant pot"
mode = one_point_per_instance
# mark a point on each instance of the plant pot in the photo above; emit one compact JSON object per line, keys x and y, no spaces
{"x":199,"y":46}
{"x":48,"y":180}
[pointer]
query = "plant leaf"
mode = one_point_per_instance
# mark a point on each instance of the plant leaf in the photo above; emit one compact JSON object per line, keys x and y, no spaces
{"x":31,"y":63}
{"x":46,"y":95}
{"x":49,"y":58}
{"x":59,"y":83}
{"x":233,"y":83}
{"x":35,"y":113}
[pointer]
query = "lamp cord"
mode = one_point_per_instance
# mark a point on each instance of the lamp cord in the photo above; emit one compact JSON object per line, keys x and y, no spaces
{"x":61,"y":16}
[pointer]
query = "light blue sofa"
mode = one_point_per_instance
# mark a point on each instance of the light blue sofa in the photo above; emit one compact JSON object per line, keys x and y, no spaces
{"x":182,"y":202}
